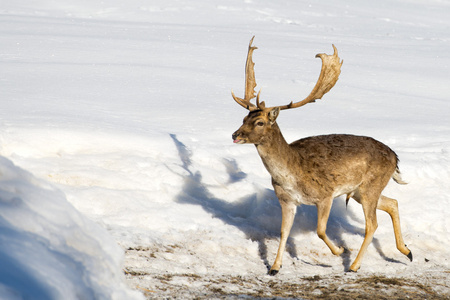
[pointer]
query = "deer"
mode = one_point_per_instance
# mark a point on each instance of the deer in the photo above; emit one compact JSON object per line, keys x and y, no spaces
{"x":315,"y":170}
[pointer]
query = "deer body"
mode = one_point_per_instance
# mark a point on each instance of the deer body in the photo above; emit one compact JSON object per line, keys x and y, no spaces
{"x":325,"y":166}
{"x":317,"y":169}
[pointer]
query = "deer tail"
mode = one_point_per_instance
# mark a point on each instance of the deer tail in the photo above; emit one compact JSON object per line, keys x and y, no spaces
{"x":398,"y":177}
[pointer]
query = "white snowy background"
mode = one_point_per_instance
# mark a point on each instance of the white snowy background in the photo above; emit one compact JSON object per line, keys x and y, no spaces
{"x":115,"y":135}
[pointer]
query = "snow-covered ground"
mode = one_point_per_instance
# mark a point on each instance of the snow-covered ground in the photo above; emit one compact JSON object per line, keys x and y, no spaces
{"x":124,"y":109}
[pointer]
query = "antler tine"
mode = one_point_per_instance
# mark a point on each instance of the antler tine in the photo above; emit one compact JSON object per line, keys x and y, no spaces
{"x":329,"y":75}
{"x":260,"y":105}
{"x":250,"y":82}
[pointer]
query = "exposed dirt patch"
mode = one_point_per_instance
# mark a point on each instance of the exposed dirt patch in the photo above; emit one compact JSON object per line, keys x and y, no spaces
{"x":151,"y":277}
{"x":171,"y":286}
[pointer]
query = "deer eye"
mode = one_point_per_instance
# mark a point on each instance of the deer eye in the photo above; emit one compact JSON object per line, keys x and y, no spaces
{"x":260,"y":123}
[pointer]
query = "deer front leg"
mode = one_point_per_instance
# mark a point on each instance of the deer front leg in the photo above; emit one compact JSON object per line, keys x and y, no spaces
{"x":323,"y":212}
{"x":288,"y":210}
{"x":369,"y":205}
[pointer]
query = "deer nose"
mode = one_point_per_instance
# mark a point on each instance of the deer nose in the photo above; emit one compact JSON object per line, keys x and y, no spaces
{"x":235,"y":135}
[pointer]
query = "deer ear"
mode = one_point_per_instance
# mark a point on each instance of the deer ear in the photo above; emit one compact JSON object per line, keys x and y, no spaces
{"x":273,"y":114}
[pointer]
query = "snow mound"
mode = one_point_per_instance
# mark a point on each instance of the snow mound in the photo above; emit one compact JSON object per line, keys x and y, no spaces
{"x":49,"y":250}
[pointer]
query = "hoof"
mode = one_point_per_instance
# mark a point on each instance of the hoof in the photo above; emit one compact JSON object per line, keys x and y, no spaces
{"x":346,"y":251}
{"x":273,"y":272}
{"x":410,"y":256}
{"x":340,"y":251}
{"x":353,"y":269}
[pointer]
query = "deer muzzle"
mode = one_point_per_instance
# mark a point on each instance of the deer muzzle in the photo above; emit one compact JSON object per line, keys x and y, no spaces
{"x":236,"y":138}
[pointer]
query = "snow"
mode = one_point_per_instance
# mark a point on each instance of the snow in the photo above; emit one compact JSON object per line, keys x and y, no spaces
{"x":49,"y":249}
{"x":115,"y":133}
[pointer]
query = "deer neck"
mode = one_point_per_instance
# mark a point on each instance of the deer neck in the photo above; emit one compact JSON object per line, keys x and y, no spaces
{"x":276,"y":154}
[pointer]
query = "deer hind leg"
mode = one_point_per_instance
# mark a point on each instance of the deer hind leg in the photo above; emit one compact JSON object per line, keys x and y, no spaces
{"x":288,"y":210}
{"x":369,"y":204}
{"x":323,"y":212}
{"x":391,"y":207}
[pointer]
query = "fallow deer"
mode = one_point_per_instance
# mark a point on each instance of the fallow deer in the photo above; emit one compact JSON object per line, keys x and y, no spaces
{"x":317,"y":169}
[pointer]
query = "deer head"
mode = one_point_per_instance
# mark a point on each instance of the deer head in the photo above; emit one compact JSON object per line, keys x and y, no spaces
{"x":258,"y":125}
{"x":261,"y":119}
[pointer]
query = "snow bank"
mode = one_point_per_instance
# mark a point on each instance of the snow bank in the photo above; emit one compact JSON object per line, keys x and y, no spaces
{"x":49,"y":250}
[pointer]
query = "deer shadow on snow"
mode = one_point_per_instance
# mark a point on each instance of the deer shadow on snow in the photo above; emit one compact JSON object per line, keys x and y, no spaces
{"x":258,"y":215}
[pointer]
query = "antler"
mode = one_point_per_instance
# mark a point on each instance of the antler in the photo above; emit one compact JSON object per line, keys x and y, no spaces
{"x":329,"y":75}
{"x":250,"y":82}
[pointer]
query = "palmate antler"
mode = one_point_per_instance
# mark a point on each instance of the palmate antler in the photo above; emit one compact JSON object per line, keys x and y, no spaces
{"x":329,"y":74}
{"x":250,"y":82}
